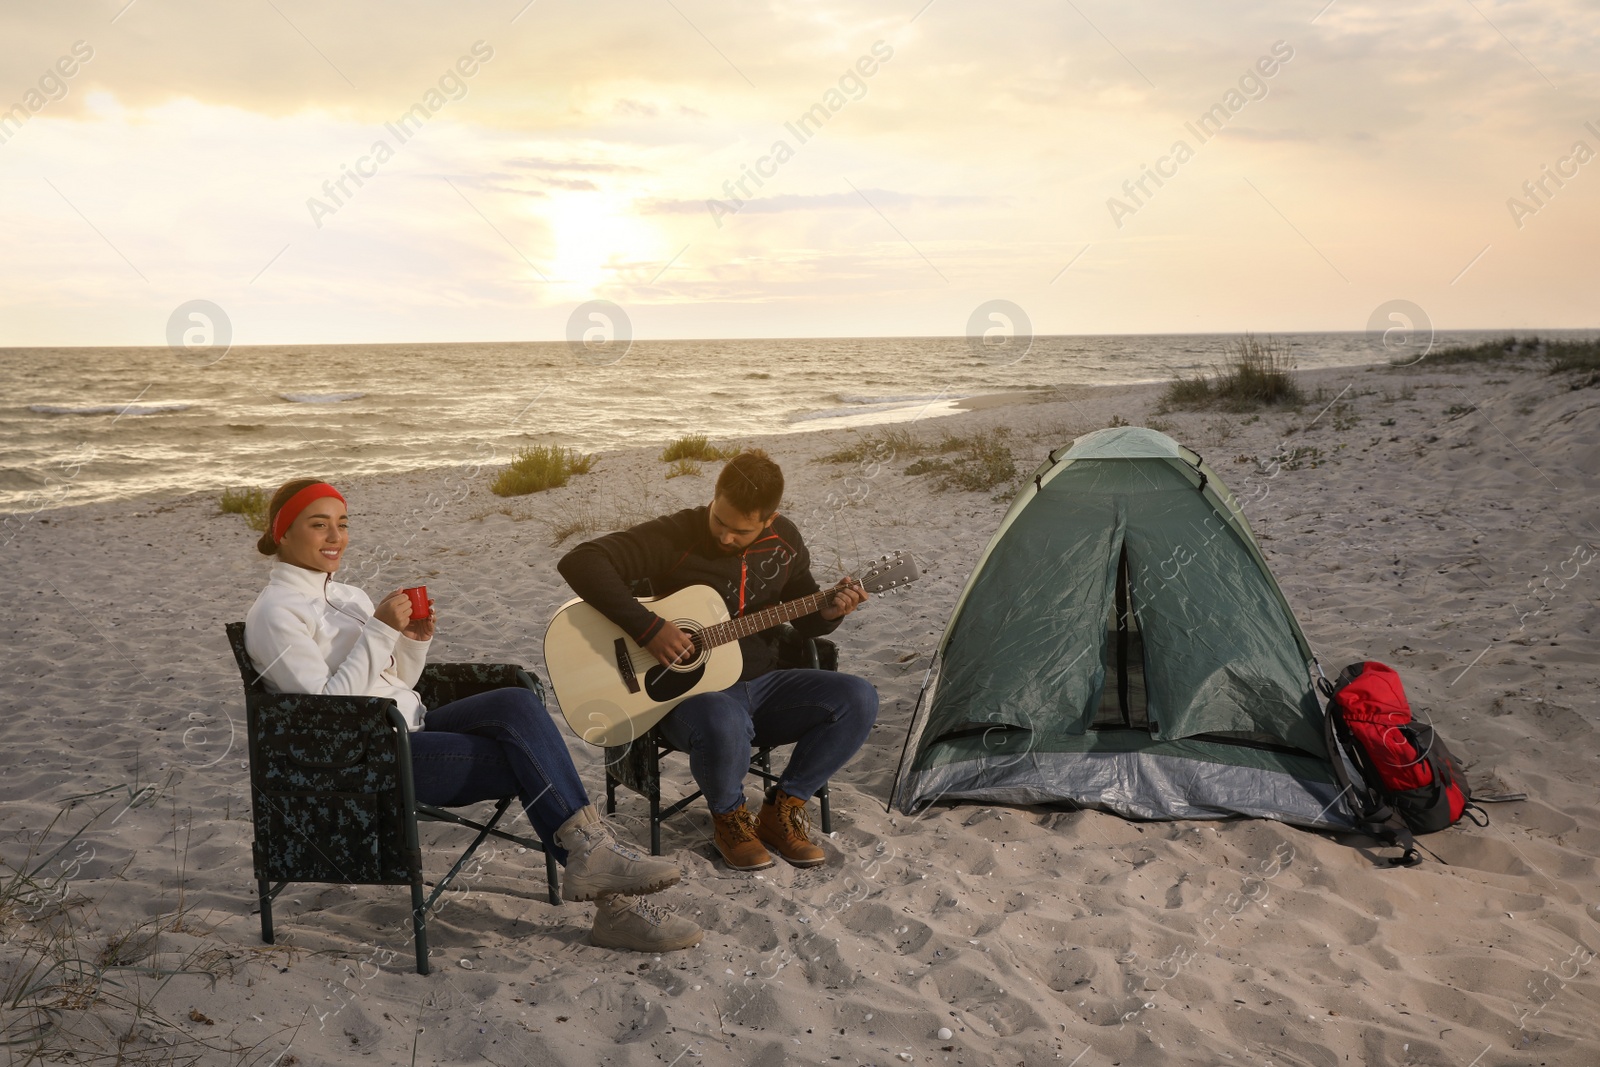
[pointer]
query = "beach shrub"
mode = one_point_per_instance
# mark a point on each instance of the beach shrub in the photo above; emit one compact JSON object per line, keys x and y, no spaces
{"x":1300,"y":457}
{"x":538,"y":468}
{"x":1582,"y":357}
{"x":971,"y":464}
{"x":581,"y":517}
{"x":683,"y":467}
{"x":251,"y":503}
{"x":879,"y":447}
{"x":1507,"y":347}
{"x":1258,"y":374}
{"x":695,"y":446}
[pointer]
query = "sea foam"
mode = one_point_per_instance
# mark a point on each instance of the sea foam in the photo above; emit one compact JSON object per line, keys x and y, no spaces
{"x":320,"y":398}
{"x":107,"y":409}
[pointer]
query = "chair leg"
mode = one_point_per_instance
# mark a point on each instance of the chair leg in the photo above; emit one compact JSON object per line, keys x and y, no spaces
{"x":827,"y":812}
{"x":550,"y":877}
{"x":655,"y":820}
{"x":419,"y":923}
{"x":266,"y":911}
{"x":611,"y":794}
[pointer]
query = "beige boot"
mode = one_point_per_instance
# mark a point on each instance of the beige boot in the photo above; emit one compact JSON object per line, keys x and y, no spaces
{"x":599,"y":865}
{"x":641,"y":926}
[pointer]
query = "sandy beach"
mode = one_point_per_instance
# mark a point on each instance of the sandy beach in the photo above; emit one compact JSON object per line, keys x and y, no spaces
{"x":1443,"y":520}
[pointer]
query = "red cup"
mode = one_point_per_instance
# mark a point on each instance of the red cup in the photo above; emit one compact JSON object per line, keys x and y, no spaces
{"x":421,"y":606}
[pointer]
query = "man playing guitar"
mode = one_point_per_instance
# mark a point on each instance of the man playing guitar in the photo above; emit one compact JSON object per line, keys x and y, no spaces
{"x":754,"y":557}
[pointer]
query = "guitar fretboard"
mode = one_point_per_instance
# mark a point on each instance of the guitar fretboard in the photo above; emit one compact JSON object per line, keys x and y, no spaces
{"x":765,"y":619}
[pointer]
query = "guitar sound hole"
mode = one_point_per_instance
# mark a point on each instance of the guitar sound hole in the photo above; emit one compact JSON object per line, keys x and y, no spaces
{"x":695,"y":663}
{"x":665,"y":683}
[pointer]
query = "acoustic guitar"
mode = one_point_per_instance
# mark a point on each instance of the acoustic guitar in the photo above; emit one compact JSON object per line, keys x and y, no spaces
{"x":612,"y":691}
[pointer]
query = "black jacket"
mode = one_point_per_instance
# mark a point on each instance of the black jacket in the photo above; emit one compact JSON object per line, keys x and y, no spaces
{"x":678,"y":550}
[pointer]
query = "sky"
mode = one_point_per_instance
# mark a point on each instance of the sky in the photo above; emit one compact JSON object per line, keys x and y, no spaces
{"x":809,"y":169}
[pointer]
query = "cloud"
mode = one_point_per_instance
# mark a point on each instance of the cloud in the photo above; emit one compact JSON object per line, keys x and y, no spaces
{"x":586,"y":149}
{"x":580,"y":166}
{"x":581,"y":184}
{"x":1247,"y":133}
{"x":774,"y":205}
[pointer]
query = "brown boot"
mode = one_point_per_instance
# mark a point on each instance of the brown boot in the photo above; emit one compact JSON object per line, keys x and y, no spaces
{"x":784,"y":825}
{"x":736,"y":840}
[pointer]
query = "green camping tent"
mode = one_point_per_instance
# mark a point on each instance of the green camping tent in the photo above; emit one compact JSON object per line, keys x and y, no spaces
{"x":1121,"y":644}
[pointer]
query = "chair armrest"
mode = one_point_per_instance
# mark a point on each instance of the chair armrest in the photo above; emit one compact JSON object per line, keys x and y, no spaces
{"x":816,"y":653}
{"x":311,"y":742}
{"x":315,"y":706}
{"x":442,"y":683}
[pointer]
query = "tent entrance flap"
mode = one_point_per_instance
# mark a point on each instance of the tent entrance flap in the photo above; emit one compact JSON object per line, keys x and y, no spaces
{"x":1123,"y":701}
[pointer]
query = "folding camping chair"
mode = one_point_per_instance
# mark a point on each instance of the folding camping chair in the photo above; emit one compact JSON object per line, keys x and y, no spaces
{"x":331,"y":789}
{"x":637,"y":765}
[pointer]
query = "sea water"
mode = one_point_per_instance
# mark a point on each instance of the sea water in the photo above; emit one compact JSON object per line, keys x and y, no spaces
{"x":88,"y":424}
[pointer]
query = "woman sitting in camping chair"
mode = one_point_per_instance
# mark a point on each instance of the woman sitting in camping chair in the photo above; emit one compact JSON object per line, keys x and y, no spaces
{"x":307,"y":633}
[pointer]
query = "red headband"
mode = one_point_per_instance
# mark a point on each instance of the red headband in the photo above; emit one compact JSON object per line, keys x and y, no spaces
{"x":296,"y":504}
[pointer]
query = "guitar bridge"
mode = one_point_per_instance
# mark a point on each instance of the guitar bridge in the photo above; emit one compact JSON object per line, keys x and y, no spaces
{"x":625,"y":666}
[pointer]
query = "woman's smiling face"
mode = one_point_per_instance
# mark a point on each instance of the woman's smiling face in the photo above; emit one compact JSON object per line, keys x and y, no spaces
{"x":317,"y":538}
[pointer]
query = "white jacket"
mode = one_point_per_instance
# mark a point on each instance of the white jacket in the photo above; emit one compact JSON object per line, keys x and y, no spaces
{"x":307,"y":633}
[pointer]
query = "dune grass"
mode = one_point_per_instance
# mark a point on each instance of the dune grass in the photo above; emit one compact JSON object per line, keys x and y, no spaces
{"x":73,"y":991}
{"x":975,"y":463}
{"x":538,"y":468}
{"x":1259,"y":373}
{"x":878,"y":447}
{"x":972,"y":463}
{"x":1508,"y":347}
{"x":695,"y":446}
{"x":1580,"y":356}
{"x":581,"y":517}
{"x":251,"y":503}
{"x":683,"y":467}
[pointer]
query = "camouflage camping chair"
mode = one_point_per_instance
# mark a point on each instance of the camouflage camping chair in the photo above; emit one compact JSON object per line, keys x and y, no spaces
{"x":331,"y":787}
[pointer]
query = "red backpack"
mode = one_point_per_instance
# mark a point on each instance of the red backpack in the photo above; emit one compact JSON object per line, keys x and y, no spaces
{"x":1410,"y":782}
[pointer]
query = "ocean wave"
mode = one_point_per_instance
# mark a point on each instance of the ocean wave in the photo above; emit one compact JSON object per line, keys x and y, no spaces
{"x":902,"y":398}
{"x":320,"y":398}
{"x":108,"y":409}
{"x":867,"y":408}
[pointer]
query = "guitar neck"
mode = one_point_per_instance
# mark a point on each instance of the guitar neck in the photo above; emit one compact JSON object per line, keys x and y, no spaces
{"x":765,"y":619}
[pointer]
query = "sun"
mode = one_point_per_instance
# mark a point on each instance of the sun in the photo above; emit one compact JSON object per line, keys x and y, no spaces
{"x":596,"y":236}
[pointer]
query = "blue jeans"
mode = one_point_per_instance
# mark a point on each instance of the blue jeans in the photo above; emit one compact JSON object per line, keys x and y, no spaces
{"x":824,"y":714}
{"x":494,"y":745}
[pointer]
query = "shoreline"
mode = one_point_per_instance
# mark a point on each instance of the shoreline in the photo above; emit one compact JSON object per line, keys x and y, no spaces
{"x":908,"y":415}
{"x":82,"y":458}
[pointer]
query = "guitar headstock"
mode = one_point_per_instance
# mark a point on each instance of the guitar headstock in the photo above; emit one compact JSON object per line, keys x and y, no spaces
{"x":889,"y":572}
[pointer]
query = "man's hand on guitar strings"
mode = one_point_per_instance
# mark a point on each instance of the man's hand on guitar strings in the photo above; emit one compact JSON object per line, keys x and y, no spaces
{"x":845,"y":597}
{"x":671,"y":645}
